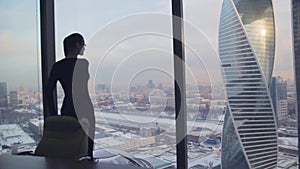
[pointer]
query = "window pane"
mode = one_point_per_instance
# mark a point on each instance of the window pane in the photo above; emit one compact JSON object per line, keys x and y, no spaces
{"x":205,"y":94}
{"x":129,"y":49}
{"x":251,"y":107}
{"x":20,"y":91}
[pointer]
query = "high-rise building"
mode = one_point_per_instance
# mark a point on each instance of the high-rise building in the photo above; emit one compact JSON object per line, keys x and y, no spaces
{"x":282,"y":109}
{"x":13,"y":99}
{"x":291,"y":89}
{"x":278,"y":93}
{"x":150,"y":84}
{"x":246,"y":50}
{"x":296,"y":43}
{"x":3,"y":95}
{"x":292,"y":107}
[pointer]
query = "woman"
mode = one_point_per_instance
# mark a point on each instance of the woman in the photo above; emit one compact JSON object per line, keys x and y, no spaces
{"x":73,"y":75}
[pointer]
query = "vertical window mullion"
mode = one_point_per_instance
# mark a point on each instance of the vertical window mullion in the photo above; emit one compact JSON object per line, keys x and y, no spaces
{"x":47,"y":45}
{"x":179,"y":75}
{"x":296,"y":47}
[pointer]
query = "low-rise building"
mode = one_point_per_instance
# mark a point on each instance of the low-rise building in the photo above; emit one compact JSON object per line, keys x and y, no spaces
{"x":14,"y":140}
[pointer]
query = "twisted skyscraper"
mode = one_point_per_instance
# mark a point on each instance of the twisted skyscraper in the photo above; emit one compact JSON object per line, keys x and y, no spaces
{"x":246,"y":49}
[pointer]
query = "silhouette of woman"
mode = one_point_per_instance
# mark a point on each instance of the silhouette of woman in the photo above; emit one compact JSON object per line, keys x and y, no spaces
{"x":73,"y":75}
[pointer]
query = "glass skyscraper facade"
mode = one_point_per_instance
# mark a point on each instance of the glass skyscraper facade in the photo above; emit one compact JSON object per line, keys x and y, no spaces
{"x":246,"y":50}
{"x":278,"y":93}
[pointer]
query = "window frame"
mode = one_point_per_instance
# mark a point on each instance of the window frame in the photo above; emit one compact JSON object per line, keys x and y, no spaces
{"x":47,"y":47}
{"x":47,"y":20}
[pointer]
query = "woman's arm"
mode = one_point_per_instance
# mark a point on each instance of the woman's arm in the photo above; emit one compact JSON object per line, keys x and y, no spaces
{"x":51,"y":84}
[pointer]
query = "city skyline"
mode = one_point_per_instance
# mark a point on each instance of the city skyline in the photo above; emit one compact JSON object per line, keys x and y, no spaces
{"x":26,"y":44}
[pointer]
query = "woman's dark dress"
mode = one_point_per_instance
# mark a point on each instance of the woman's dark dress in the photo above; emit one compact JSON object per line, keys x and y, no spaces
{"x":73,"y":75}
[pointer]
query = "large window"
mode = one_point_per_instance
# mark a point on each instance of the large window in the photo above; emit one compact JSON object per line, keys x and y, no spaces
{"x":129,"y":49}
{"x":20,"y":92}
{"x":212,"y":30}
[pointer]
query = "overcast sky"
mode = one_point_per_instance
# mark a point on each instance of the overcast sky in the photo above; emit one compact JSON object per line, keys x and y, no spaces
{"x":127,"y":41}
